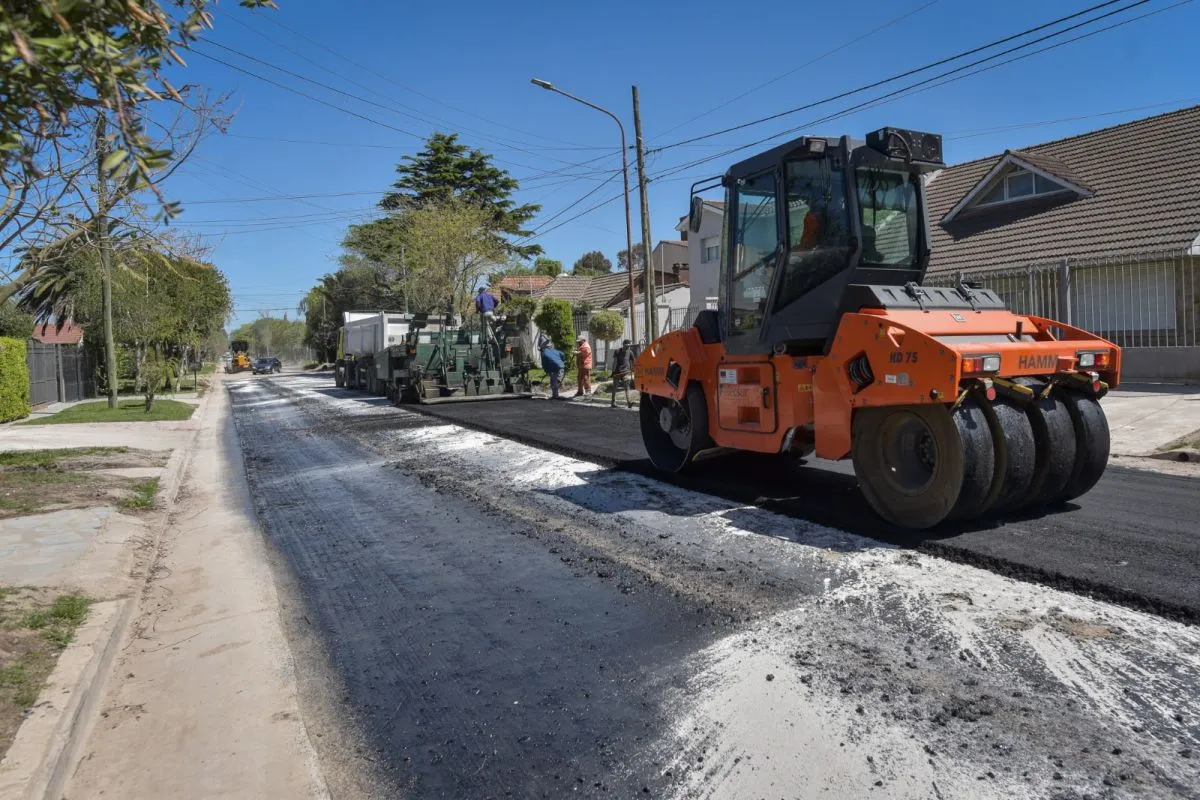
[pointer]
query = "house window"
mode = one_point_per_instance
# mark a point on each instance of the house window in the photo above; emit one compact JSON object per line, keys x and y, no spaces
{"x":711,"y":249}
{"x":1019,"y":184}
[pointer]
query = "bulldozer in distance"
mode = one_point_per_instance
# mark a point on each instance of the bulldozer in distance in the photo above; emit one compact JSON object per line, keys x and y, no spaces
{"x":950,"y":405}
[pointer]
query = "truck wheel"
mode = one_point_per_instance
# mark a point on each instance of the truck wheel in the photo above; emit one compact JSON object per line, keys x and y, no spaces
{"x":910,"y":462}
{"x":673,"y":432}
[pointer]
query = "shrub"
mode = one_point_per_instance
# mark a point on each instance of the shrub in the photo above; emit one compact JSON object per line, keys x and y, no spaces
{"x":556,"y":321}
{"x":14,"y":322}
{"x":606,"y":325}
{"x":520,"y":307}
{"x":14,"y":380}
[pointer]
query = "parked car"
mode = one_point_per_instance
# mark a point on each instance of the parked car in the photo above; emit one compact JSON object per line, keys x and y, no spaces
{"x":265,"y":366}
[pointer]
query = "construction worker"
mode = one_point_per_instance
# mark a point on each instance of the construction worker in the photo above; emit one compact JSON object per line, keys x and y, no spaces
{"x":553,"y":362}
{"x":486,"y":302}
{"x":622,"y":370}
{"x":583,"y":363}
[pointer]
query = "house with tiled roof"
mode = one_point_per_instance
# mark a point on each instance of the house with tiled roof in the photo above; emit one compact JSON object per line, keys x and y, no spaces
{"x":1101,"y":230}
{"x":51,"y":333}
{"x":519,"y":285}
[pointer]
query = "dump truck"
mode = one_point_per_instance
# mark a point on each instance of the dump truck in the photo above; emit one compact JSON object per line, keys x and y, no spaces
{"x":364,"y":335}
{"x":442,"y":360}
{"x":240,"y":362}
{"x":825,"y":340}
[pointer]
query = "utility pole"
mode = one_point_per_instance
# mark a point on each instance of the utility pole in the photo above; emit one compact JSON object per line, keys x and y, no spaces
{"x":648,"y":276}
{"x":404,"y":278}
{"x":102,"y":242}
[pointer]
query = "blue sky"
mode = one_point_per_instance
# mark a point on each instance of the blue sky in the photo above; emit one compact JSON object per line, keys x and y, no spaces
{"x":466,"y":67}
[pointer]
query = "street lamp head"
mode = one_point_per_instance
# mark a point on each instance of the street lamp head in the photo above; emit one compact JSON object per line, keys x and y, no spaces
{"x":542,"y":83}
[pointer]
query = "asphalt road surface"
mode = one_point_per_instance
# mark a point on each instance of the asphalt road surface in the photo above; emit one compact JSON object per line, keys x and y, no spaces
{"x":1134,"y":539}
{"x":508,"y":620}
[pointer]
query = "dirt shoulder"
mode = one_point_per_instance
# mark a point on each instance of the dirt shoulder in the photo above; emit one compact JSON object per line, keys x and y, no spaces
{"x":38,"y":481}
{"x":35,"y":626}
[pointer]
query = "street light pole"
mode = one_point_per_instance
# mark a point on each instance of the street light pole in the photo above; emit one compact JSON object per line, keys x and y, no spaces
{"x":547,"y":85}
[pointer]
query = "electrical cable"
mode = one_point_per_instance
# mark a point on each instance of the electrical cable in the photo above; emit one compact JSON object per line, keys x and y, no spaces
{"x":924,"y":68}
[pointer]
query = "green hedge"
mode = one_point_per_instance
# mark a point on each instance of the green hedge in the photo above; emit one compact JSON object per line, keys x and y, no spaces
{"x":556,"y":321}
{"x":14,"y":379}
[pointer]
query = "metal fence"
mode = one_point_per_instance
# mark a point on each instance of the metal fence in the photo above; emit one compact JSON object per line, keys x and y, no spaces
{"x":1146,"y":300}
{"x":58,"y":373}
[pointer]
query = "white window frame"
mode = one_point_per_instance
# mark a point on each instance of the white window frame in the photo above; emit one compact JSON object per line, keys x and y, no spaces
{"x":1007,"y":198}
{"x":710,"y":253}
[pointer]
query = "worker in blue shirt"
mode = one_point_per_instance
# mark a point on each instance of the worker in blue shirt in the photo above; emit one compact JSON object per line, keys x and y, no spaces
{"x":554,"y":364}
{"x":486,"y":302}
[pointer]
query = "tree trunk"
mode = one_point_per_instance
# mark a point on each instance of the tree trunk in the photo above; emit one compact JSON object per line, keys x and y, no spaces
{"x":102,"y":242}
{"x":183,"y":354}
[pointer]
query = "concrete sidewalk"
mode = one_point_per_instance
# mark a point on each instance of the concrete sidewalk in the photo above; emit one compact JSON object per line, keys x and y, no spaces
{"x":1145,"y":418}
{"x":203,"y":701}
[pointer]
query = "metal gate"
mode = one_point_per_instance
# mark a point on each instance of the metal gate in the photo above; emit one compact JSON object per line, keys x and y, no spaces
{"x":59,"y":373}
{"x":43,"y":373}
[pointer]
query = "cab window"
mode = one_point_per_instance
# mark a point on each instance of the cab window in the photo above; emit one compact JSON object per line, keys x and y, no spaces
{"x":818,"y":245}
{"x":755,"y":249}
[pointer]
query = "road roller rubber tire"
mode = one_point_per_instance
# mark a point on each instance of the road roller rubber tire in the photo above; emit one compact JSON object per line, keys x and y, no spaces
{"x":1054,"y":439}
{"x":909,"y":462}
{"x":675,"y":453}
{"x":1091,"y":443}
{"x":1016,"y":455}
{"x":979,"y":460}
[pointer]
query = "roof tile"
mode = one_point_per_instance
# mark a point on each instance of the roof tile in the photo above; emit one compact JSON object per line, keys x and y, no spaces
{"x":1146,"y":179}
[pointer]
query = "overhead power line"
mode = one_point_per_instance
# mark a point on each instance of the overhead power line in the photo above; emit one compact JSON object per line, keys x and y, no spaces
{"x":273,"y":19}
{"x":805,"y":65}
{"x":924,"y":68}
{"x":921,"y":86}
{"x":365,"y":100}
{"x":887,"y":97}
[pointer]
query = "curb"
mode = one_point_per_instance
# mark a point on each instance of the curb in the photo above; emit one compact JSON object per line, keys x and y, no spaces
{"x":46,"y":746}
{"x":1178,"y":454}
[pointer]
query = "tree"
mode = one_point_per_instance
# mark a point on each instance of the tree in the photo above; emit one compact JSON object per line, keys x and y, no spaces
{"x":14,"y":322}
{"x":450,"y":248}
{"x":449,"y":171}
{"x":592,"y":264}
{"x":274,"y":336}
{"x":606,"y":325}
{"x":65,"y":62}
{"x":520,"y":306}
{"x":547,"y":266}
{"x":556,"y":321}
{"x":639,"y":260}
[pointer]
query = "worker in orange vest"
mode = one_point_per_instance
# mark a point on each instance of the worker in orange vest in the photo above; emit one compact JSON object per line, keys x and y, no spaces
{"x":583,"y":363}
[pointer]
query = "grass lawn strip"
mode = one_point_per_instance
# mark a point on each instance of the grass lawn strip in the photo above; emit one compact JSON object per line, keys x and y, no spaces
{"x":126,"y":411}
{"x":37,"y":481}
{"x":35,"y":626}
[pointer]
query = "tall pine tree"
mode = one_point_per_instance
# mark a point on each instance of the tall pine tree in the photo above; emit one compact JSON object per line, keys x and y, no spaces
{"x":449,"y":170}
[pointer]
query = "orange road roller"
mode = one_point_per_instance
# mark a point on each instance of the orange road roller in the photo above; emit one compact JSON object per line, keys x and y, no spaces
{"x":825,"y":341}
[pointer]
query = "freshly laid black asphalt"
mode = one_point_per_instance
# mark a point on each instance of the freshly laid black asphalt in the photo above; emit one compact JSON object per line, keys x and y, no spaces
{"x":477,"y":662}
{"x":1134,"y":539}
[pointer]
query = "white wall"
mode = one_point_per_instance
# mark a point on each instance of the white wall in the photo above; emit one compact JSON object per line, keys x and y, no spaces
{"x":703,"y":274}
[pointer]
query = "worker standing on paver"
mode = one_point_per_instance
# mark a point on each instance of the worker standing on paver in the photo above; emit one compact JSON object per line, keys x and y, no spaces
{"x":583,"y":363}
{"x":621,"y":371}
{"x":554,"y":363}
{"x":486,"y":302}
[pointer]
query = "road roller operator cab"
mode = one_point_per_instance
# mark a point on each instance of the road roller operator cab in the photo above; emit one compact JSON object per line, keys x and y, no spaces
{"x":825,"y":340}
